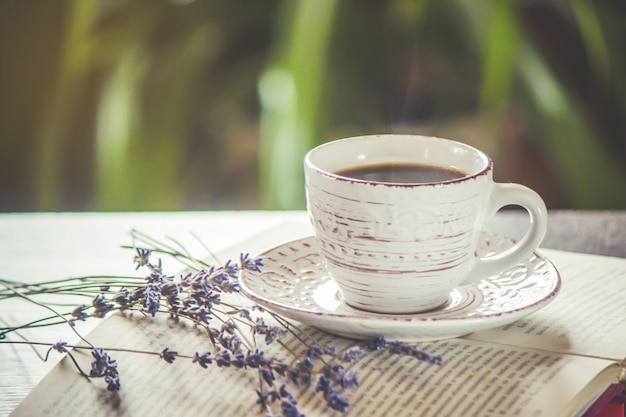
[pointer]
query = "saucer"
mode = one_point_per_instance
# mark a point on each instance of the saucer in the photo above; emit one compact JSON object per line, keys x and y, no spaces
{"x":294,"y":284}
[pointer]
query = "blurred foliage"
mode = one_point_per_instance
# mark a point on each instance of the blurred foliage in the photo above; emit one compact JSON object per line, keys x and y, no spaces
{"x":209,"y":104}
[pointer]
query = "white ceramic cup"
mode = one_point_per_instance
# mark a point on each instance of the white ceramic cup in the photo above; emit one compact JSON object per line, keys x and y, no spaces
{"x":403,"y":247}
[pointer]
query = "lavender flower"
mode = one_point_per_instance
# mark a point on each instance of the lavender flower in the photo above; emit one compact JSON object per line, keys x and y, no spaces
{"x":101,"y":307}
{"x":262,"y":400}
{"x":337,"y":402}
{"x":197,"y":297}
{"x":79,"y":312}
{"x":137,"y":295}
{"x":104,"y":366}
{"x":200,"y":289}
{"x":219,"y":277}
{"x":196,"y":281}
{"x":60,"y":347}
{"x":199,"y":314}
{"x":260,"y":327}
{"x":284,"y":393}
{"x":271,"y":333}
{"x":267,"y":375}
{"x":168,"y":355}
{"x":274,"y":333}
{"x":152,"y":298}
{"x":334,"y":371}
{"x":229,"y":327}
{"x":272,"y":395}
{"x":245,"y":314}
{"x":351,"y":354}
{"x":276,"y":365}
{"x":265,"y":398}
{"x":122,"y":298}
{"x":377,"y":343}
{"x":350,"y":380}
{"x":155,"y":278}
{"x":102,"y":363}
{"x":300,"y":373}
{"x":333,"y":398}
{"x":251,"y":264}
{"x":289,"y":408}
{"x":203,"y":360}
{"x":403,"y":348}
{"x":331,"y":351}
{"x":113,"y":383}
{"x":223,"y":358}
{"x":324,"y":384}
{"x":288,"y":405}
{"x":255,"y":359}
{"x":230,"y":287}
{"x":239,"y":360}
{"x":142,"y":258}
{"x":232,"y":269}
{"x":229,"y":340}
{"x":258,"y":308}
{"x":314,"y":352}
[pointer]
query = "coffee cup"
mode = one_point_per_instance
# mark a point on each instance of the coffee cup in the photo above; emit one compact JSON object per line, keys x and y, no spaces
{"x":397,"y":218}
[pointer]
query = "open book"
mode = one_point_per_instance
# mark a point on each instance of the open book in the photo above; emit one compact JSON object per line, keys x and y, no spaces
{"x":554,"y":362}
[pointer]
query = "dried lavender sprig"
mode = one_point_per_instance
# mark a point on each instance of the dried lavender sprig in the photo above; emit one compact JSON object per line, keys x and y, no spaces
{"x":45,"y":287}
{"x":301,"y":372}
{"x":103,"y":366}
{"x":61,"y":316}
{"x":406,"y":349}
{"x":160,"y":247}
{"x":329,"y":380}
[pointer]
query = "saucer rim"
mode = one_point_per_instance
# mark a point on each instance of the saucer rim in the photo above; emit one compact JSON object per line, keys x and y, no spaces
{"x":403,"y":319}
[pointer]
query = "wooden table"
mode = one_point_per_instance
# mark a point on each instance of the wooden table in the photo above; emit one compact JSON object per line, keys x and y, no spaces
{"x":34,"y":247}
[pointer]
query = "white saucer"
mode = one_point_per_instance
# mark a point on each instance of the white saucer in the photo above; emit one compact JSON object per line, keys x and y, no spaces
{"x":294,"y":284}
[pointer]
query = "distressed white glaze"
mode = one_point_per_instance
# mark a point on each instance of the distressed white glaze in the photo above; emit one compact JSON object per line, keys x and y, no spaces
{"x":295,"y":284}
{"x":401,"y":248}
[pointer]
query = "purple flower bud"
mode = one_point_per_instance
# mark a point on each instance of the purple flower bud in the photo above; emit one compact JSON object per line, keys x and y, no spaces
{"x":289,"y":408}
{"x":142,"y":258}
{"x":79,"y":312}
{"x":268,"y":376}
{"x":104,"y":366}
{"x":202,"y":359}
{"x":314,"y":352}
{"x":101,"y":307}
{"x":337,"y":402}
{"x":351,"y":354}
{"x":251,"y":264}
{"x":350,"y":380}
{"x":168,"y":355}
{"x":60,"y":347}
{"x":223,"y":358}
{"x":377,"y":343}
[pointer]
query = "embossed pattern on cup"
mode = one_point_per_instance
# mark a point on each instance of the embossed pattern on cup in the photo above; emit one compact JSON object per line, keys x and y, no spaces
{"x":375,"y":236}
{"x":397,"y":248}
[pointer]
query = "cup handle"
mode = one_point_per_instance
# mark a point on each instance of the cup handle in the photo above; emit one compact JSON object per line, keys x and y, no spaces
{"x":519,"y":195}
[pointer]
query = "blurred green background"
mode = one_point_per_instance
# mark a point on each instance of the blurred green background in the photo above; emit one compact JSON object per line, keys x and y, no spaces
{"x":190,"y":105}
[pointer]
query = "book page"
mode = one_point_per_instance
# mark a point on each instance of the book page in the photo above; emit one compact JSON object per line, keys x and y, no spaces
{"x":476,"y":379}
{"x":588,"y":316}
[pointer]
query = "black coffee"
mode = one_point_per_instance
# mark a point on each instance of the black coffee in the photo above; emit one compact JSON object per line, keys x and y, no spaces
{"x":402,"y":173}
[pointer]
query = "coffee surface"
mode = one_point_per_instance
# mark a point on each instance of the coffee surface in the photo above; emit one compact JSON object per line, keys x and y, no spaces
{"x":402,"y":173}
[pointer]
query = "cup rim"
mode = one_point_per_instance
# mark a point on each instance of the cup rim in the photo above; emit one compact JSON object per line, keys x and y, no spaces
{"x":487,"y":166}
